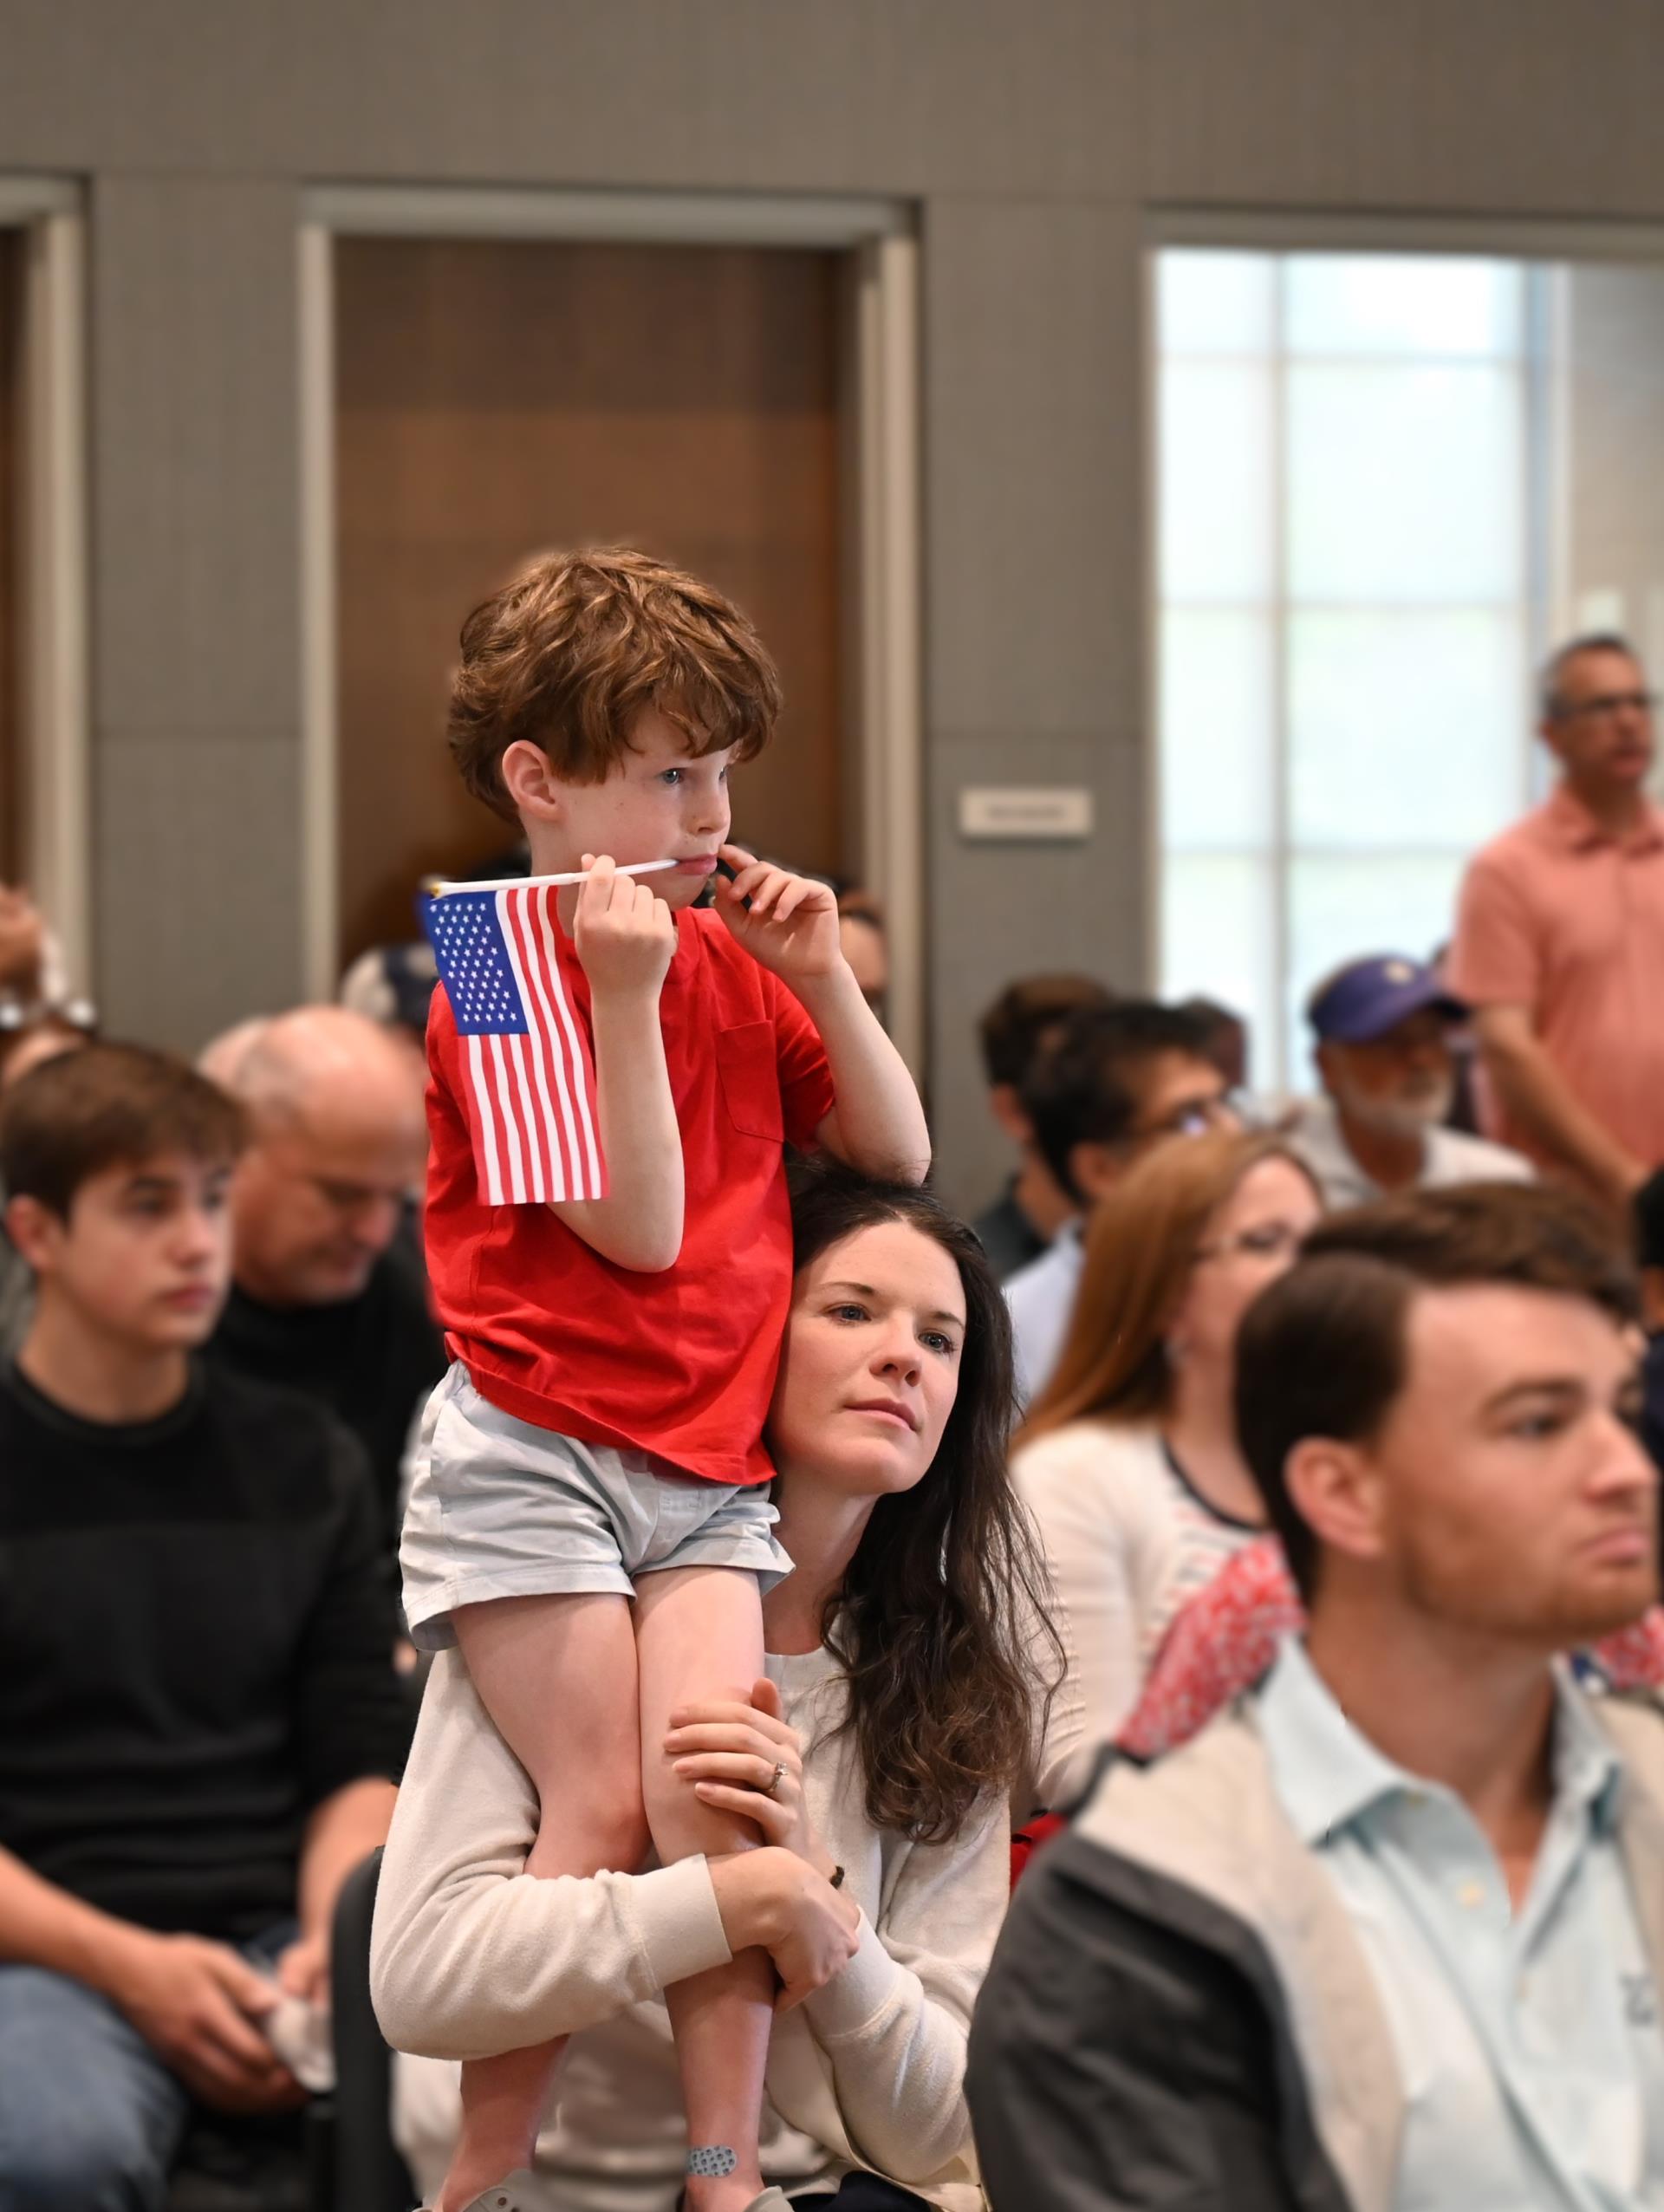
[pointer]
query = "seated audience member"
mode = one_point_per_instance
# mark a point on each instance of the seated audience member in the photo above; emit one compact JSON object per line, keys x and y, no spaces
{"x":861,"y":934}
{"x":1560,"y":938}
{"x":197,"y":1713}
{"x":1223,"y":1037}
{"x":1382,"y":1026}
{"x":392,"y":986}
{"x":329,"y":1295}
{"x":1019,"y":1025}
{"x":1391,"y":1932}
{"x":1650,"y":1251}
{"x":1128,"y":1461}
{"x":29,"y":1044}
{"x":878,"y":1757}
{"x":1114,"y":1083}
{"x":31,"y":969}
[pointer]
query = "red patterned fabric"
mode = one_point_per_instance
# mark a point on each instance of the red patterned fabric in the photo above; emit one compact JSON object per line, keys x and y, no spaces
{"x":1227,"y":1637}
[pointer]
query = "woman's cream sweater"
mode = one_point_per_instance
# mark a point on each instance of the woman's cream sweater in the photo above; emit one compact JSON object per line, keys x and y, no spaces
{"x":471,"y":1955}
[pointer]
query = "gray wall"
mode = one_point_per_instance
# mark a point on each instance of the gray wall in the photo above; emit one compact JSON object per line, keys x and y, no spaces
{"x":1033,"y":133}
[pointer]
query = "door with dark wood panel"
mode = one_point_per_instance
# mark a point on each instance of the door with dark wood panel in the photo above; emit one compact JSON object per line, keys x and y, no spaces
{"x":11,"y":340}
{"x":497,"y":398}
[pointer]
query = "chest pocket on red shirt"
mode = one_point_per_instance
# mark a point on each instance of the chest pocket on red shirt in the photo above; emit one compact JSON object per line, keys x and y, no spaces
{"x":750,"y":1079}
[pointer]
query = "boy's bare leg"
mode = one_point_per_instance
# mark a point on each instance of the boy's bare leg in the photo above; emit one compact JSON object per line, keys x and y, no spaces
{"x":558,"y":1676}
{"x":698,"y":1633}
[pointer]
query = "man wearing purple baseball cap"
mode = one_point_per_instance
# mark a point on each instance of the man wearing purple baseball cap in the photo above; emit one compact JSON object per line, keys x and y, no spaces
{"x":1384,"y":1058}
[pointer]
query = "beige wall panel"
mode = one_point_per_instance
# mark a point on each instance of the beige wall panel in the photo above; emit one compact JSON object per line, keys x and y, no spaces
{"x":197,"y":849}
{"x":1033,"y":520}
{"x":1003,"y":910}
{"x":1033,"y":530}
{"x":1533,"y":107}
{"x":180,"y":85}
{"x":196,"y":558}
{"x":885,"y":94}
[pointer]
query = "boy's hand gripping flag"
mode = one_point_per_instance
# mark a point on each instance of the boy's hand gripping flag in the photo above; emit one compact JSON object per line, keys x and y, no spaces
{"x":529,"y":1074}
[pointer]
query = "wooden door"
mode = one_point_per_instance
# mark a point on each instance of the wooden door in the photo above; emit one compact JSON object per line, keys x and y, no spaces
{"x":494,"y":400}
{"x":11,"y":340}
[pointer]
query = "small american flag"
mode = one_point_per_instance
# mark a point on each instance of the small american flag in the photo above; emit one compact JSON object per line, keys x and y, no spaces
{"x":530,"y":1079}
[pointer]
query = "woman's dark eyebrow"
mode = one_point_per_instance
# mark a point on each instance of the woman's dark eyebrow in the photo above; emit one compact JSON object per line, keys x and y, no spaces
{"x":866,"y":1291}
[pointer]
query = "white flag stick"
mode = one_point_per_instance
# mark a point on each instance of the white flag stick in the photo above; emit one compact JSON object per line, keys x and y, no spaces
{"x":439,"y":889}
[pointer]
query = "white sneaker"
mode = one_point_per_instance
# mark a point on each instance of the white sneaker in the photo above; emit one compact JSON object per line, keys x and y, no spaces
{"x":505,"y":2196}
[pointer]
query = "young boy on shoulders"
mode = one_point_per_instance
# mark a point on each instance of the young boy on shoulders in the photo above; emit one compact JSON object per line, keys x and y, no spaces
{"x":609,"y":1245}
{"x":199,"y":1712}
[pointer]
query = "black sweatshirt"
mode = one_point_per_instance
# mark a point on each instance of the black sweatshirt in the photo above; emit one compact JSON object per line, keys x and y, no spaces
{"x":196,"y":1636}
{"x":372,"y":1359}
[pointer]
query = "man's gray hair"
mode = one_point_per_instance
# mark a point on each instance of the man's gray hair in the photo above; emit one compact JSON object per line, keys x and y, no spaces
{"x":1550,"y":705}
{"x":272,"y":1064}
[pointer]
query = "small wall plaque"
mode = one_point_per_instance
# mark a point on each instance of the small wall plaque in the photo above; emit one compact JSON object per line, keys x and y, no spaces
{"x":1019,"y":811}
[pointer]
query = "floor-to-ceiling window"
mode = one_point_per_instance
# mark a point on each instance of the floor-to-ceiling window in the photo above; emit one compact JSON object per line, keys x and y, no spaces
{"x":1352,"y":502}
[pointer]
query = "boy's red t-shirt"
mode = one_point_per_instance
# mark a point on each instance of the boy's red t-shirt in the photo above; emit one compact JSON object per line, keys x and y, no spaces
{"x":681,"y":1364}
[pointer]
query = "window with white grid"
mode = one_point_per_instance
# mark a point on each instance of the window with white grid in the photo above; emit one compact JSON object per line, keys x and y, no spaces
{"x":1346,"y":521}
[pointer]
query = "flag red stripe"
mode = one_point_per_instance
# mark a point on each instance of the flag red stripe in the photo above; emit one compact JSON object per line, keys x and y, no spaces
{"x":588,"y":1164}
{"x":551,"y":1181}
{"x":561,"y":1179}
{"x":558,"y":1076}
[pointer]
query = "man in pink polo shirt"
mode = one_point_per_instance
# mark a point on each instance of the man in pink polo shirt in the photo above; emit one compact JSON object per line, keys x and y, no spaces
{"x":1560,"y":940}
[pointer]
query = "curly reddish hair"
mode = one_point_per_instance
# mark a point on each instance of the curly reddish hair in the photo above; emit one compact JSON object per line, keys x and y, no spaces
{"x":572,"y":649}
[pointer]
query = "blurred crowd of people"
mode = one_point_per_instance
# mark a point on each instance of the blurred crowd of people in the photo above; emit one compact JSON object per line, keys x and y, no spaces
{"x":1327,"y":1420}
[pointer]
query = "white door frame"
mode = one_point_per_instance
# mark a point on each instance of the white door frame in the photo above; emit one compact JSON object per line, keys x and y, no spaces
{"x":54,"y":648}
{"x":888,"y":617}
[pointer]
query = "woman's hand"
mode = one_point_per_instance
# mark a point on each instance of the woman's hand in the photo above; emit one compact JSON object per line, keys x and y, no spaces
{"x":730,"y":1754}
{"x":791,"y":925}
{"x":770,"y":1900}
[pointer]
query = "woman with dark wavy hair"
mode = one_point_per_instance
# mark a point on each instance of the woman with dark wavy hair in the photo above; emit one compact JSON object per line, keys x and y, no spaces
{"x":909,"y":1676}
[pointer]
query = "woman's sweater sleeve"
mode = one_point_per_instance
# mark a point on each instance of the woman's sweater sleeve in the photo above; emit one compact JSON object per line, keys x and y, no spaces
{"x":894,"y":2023}
{"x":471,"y":1955}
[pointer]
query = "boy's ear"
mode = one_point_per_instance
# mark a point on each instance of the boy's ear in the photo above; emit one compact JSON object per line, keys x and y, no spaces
{"x":35,"y":1231}
{"x":529,"y":781}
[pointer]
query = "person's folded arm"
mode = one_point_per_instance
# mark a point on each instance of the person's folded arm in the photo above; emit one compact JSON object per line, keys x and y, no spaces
{"x":470,"y":1955}
{"x":894,"y":2023}
{"x":1539,"y":1098}
{"x":42,"y":1925}
{"x":194,"y":2000}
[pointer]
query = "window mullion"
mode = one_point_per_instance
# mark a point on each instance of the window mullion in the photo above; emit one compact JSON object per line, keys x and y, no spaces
{"x":1282,"y":888}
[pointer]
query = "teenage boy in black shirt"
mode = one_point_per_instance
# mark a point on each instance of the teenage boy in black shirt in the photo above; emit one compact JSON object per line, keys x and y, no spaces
{"x":197,"y":1713}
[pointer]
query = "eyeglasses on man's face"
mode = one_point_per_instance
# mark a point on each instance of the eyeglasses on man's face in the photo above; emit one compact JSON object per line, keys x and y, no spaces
{"x":1187,"y":1117}
{"x":1604,"y":704}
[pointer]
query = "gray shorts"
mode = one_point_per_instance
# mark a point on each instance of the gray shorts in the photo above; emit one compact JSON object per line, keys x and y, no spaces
{"x":500,"y":1508}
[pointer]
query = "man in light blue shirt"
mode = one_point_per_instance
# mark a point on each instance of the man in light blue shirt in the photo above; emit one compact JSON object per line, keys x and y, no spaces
{"x":1389,"y":1935}
{"x":1527,"y":2031}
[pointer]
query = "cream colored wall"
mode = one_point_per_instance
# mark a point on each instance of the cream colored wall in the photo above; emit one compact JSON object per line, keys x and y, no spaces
{"x":1034,"y":138}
